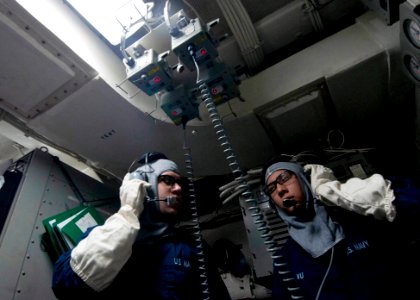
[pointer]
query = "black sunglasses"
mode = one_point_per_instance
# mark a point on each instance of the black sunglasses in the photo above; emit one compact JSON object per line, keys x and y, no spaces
{"x":169,"y":180}
{"x":281,"y":179}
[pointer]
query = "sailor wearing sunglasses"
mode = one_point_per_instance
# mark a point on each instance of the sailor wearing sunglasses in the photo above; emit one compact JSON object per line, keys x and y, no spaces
{"x":139,"y":251}
{"x":332,"y":253}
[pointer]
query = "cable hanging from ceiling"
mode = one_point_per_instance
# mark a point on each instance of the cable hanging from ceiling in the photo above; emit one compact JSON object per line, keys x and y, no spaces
{"x":311,"y":9}
{"x":244,"y":32}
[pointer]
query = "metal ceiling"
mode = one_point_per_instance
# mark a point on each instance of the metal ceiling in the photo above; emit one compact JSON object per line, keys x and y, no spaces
{"x":302,"y":86}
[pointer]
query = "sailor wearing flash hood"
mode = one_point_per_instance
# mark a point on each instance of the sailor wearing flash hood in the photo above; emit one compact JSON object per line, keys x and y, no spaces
{"x":311,"y":227}
{"x":331,"y":253}
{"x":150,"y":258}
{"x":153,"y":222}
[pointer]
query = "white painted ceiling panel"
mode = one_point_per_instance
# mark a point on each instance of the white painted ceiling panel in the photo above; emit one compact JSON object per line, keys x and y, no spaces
{"x":94,"y":120}
{"x":37,"y":70}
{"x":98,"y":124}
{"x":305,"y":114}
{"x":23,"y":89}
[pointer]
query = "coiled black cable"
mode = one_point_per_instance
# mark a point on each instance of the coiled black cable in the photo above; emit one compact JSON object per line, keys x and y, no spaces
{"x":252,"y":203}
{"x":196,"y":224}
{"x":247,"y":194}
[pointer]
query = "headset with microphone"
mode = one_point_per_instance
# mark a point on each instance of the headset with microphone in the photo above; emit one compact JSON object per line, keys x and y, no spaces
{"x":145,"y":160}
{"x":289,"y":202}
{"x":170,"y":200}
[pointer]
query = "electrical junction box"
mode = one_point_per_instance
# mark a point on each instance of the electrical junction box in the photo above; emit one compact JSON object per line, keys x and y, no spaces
{"x":150,"y":73}
{"x":192,"y":34}
{"x":179,"y":105}
{"x":221,"y":83}
{"x":348,"y":165}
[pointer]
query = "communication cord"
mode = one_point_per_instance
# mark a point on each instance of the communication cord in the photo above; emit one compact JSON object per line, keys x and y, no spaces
{"x":247,"y":194}
{"x":196,"y":224}
{"x":250,"y":201}
{"x":326,"y":274}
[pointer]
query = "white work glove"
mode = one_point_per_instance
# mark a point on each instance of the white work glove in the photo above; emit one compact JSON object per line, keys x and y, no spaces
{"x":319,"y":175}
{"x":371,"y":196}
{"x":99,"y":257}
{"x":132,"y":193}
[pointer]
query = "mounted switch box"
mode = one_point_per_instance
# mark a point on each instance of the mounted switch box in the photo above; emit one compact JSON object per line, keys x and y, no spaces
{"x":190,"y":39}
{"x":150,"y":73}
{"x":221,"y":83}
{"x":179,"y":105}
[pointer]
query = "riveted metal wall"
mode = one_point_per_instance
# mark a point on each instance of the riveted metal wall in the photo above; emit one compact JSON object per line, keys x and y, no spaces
{"x":44,"y":191}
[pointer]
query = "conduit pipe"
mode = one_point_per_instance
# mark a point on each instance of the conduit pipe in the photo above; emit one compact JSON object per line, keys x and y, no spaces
{"x":244,"y":32}
{"x":314,"y":16}
{"x":285,"y":25}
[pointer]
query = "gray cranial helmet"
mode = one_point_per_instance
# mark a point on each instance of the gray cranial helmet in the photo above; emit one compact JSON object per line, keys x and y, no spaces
{"x":151,"y":171}
{"x":151,"y":220}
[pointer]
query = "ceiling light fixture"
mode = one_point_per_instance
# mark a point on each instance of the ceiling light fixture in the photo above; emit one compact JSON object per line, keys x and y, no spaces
{"x":113,"y":18}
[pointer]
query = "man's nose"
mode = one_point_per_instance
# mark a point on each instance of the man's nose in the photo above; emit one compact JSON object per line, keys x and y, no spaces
{"x":176,"y":187}
{"x":280,"y":188}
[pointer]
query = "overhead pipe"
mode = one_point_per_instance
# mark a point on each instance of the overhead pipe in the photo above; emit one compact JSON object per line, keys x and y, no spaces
{"x":285,"y":25}
{"x":244,"y":32}
{"x":314,"y":16}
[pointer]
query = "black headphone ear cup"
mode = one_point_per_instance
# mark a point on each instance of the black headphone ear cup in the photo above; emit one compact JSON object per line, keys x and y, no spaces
{"x":137,"y":174}
{"x":150,"y":157}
